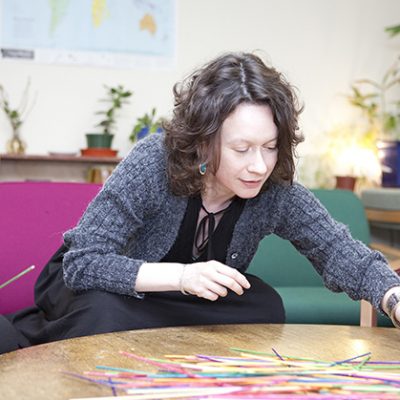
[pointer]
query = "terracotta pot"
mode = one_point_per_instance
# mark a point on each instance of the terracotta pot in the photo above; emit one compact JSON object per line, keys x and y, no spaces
{"x":346,"y":182}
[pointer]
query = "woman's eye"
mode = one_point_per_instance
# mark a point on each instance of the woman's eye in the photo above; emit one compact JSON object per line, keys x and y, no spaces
{"x":241,"y":150}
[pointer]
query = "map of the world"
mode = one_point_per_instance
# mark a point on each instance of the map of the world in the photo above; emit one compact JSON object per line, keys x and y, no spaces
{"x":76,"y":27}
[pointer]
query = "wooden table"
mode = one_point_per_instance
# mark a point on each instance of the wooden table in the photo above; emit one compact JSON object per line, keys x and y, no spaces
{"x":36,"y":372}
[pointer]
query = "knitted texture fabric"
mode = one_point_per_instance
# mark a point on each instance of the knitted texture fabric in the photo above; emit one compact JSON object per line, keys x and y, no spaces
{"x":135,"y":219}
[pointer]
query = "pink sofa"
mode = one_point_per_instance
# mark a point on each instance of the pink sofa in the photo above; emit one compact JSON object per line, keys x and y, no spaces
{"x":33,"y":217}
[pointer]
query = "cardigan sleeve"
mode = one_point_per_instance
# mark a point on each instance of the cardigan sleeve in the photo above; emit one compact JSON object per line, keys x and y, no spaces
{"x":344,"y":263}
{"x":97,"y":245}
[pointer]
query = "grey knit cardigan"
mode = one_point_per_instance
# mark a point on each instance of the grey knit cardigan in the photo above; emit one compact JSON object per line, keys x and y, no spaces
{"x":135,"y":219}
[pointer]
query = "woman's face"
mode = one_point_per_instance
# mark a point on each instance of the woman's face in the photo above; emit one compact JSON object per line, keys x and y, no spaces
{"x":249,"y":152}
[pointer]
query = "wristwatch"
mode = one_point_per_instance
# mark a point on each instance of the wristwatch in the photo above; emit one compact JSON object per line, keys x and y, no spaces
{"x":391,"y":305}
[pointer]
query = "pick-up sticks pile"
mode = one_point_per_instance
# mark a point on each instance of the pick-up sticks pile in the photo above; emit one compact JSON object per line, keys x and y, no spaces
{"x":252,"y":375}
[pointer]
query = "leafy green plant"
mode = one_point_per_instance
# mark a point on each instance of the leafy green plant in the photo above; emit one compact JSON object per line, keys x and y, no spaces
{"x":146,"y":125}
{"x":393,"y":30}
{"x":372,"y":98}
{"x":17,"y":115}
{"x":116,"y":97}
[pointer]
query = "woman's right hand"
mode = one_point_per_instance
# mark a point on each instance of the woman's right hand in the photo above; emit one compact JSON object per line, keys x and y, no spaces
{"x":211,"y":280}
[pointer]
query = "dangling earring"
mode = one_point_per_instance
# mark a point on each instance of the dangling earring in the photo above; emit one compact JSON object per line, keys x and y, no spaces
{"x":202,"y":168}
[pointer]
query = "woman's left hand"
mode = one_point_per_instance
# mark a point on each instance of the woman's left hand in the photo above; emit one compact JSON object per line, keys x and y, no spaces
{"x":211,"y":280}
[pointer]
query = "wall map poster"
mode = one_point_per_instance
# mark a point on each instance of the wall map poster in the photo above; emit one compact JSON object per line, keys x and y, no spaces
{"x":114,"y":33}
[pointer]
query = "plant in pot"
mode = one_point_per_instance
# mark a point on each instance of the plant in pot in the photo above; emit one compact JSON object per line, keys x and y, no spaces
{"x":382,"y":114}
{"x":146,"y":125}
{"x":16,"y":118}
{"x":351,"y":157}
{"x":116,"y":98}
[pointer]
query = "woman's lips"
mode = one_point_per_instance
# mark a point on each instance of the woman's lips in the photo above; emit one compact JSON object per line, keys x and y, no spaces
{"x":251,"y":184}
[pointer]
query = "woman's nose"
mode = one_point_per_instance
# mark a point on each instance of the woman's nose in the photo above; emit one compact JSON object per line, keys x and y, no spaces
{"x":257,"y":163}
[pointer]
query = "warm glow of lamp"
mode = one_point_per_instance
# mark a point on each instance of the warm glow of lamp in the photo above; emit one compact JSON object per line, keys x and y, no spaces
{"x":346,"y":154}
{"x":356,"y":161}
{"x":352,"y":152}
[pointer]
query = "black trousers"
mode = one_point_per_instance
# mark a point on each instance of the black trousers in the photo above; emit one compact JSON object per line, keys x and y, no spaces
{"x":61,"y":313}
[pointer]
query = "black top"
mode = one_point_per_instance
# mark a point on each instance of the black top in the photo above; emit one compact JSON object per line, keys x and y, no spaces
{"x":217,"y":242}
{"x":61,"y":313}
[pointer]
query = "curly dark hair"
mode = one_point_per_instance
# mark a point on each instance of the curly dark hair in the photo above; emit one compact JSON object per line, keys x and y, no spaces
{"x":205,"y":99}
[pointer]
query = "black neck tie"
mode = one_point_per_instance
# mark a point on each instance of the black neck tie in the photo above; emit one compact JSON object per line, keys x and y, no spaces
{"x":203,"y":236}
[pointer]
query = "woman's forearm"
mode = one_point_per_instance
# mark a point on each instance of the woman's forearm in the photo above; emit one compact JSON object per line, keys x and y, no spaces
{"x":159,"y":277}
{"x":210,"y":279}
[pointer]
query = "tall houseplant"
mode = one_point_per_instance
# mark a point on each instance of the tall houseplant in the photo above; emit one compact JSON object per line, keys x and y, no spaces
{"x":16,"y":118}
{"x":382,"y":113}
{"x":116,"y":98}
{"x":372,"y":98}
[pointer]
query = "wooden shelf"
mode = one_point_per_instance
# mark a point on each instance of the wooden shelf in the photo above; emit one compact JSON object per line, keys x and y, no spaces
{"x":60,"y":158}
{"x":62,"y":167}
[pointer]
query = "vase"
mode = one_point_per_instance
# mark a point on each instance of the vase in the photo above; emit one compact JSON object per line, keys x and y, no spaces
{"x":143,"y":132}
{"x":389,"y":157}
{"x":146,"y":130}
{"x":346,"y":182}
{"x":15,"y":145}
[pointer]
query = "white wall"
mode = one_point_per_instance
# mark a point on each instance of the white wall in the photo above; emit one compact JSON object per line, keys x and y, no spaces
{"x":320,"y":45}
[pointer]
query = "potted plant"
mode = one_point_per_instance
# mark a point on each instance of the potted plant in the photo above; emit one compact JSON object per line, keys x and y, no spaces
{"x":146,"y":125}
{"x":116,"y":97}
{"x":347,"y":149}
{"x":382,"y":116}
{"x":16,"y":118}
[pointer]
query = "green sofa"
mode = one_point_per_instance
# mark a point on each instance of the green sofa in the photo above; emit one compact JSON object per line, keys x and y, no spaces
{"x":306,"y":299}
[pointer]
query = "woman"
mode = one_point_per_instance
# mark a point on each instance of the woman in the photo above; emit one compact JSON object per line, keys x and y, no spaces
{"x":168,"y":239}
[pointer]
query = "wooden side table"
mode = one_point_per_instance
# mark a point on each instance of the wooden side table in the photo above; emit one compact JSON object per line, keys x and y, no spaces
{"x":382,"y":208}
{"x":368,"y":315}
